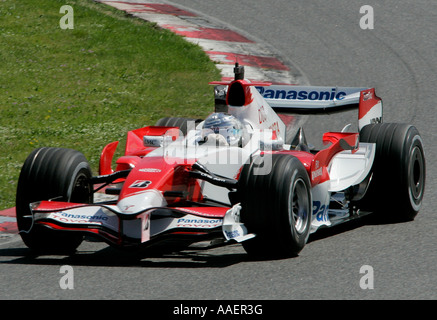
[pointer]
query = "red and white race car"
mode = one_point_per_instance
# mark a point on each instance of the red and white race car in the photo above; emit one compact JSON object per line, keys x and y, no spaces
{"x":245,"y":174}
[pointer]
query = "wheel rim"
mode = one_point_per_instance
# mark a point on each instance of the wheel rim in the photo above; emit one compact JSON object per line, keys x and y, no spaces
{"x":299,"y":209}
{"x":416,"y":176}
{"x":81,"y":189}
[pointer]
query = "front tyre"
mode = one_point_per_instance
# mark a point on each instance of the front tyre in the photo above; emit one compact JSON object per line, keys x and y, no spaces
{"x":276,"y":206}
{"x":51,"y":173}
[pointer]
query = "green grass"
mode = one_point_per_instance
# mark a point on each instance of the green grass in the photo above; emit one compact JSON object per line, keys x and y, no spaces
{"x":86,"y":87}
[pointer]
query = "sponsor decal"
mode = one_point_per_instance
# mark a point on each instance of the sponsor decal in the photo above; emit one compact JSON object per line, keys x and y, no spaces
{"x":376,"y":120}
{"x":232,"y":234}
{"x":316,"y":173}
{"x":127,"y":208}
{"x":198,"y":223}
{"x":367,"y":95}
{"x":262,"y":115}
{"x":320,"y":211}
{"x":275,"y":128}
{"x":153,"y":141}
{"x":79,"y":218}
{"x":140,"y":184}
{"x":302,"y":94}
{"x":149,"y":170}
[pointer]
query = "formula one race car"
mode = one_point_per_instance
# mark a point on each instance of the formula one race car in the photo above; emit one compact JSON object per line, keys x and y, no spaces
{"x":241,"y":175}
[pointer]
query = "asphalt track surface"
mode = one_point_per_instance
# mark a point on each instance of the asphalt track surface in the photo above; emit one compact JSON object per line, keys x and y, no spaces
{"x":323,"y":42}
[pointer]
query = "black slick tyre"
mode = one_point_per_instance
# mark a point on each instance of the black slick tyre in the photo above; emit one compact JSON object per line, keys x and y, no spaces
{"x":398,"y":183}
{"x":51,"y":174}
{"x":276,"y":206}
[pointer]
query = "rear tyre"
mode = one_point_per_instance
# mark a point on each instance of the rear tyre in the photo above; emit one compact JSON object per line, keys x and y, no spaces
{"x":398,"y":183}
{"x":51,"y":173}
{"x":276,"y":206}
{"x":181,"y":123}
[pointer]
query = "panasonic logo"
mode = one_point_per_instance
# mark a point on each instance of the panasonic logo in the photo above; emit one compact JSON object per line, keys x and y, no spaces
{"x":83,"y":216}
{"x":301,"y":94}
{"x":199,"y":221}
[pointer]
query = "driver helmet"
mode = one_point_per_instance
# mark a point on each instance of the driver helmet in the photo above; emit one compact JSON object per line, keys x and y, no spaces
{"x":225,"y":125}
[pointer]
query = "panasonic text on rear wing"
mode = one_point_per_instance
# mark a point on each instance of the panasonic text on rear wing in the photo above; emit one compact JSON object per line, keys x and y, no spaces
{"x":310,"y":99}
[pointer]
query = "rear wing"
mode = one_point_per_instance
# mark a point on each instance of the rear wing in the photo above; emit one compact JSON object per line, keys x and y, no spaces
{"x":324,"y":100}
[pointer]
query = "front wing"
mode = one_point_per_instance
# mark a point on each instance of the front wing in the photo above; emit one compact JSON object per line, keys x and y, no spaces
{"x":118,"y":228}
